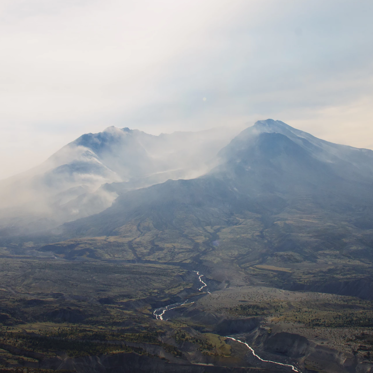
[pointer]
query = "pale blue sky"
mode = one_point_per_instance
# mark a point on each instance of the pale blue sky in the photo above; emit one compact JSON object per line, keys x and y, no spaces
{"x":70,"y":67}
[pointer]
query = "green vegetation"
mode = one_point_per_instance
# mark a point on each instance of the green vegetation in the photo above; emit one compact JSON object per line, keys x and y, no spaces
{"x":52,"y":307}
{"x":341,"y":312}
{"x":208,"y":343}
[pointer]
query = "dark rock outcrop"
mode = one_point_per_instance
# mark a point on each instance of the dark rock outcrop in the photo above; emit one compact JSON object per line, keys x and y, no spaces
{"x":292,"y":345}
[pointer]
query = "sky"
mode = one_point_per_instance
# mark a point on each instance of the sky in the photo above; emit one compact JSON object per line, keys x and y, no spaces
{"x":70,"y":67}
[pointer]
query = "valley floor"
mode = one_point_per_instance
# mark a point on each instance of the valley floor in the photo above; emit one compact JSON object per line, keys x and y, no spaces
{"x":95,"y":316}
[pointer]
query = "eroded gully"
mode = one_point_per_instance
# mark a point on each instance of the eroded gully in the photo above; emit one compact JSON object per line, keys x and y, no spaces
{"x":160,"y":312}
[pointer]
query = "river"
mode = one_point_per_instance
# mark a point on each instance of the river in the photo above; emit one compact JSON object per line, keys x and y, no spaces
{"x":159,"y":313}
{"x":293,"y":368}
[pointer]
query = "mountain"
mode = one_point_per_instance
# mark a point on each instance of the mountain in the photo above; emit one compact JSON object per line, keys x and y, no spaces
{"x":85,"y":176}
{"x":266,"y":169}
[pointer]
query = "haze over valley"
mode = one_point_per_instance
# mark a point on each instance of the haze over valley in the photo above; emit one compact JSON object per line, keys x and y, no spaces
{"x":85,"y":176}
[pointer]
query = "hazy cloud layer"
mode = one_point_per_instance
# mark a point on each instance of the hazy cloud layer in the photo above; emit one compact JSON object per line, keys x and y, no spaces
{"x":70,"y":67}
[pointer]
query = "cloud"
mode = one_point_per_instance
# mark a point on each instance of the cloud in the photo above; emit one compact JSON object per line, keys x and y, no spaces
{"x":71,"y":67}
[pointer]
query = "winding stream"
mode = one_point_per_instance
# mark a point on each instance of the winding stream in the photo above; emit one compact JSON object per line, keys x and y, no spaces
{"x":159,"y":313}
{"x":204,"y":285}
{"x":293,"y":368}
